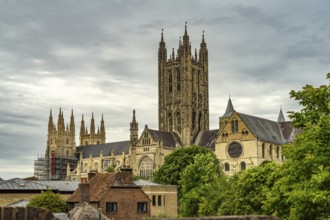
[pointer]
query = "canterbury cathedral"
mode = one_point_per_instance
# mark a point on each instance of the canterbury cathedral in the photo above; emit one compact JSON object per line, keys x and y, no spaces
{"x":241,"y":141}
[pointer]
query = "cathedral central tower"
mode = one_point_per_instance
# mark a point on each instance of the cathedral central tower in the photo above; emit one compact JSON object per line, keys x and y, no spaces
{"x":183,"y":99}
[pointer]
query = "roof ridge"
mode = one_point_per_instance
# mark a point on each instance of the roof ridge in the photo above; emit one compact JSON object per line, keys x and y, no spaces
{"x":258,"y":117}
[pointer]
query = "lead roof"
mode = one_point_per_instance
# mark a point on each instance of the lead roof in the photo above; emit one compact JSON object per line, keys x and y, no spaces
{"x":95,"y":150}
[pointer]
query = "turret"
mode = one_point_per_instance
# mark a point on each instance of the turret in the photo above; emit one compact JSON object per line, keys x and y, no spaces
{"x":92,"y":130}
{"x":281,"y":117}
{"x":134,"y":129}
{"x":229,"y":110}
{"x":82,"y":126}
{"x":186,"y":43}
{"x":72,"y":126}
{"x":50,"y":123}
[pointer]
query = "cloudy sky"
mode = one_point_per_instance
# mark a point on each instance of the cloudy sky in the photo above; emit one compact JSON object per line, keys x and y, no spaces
{"x":101,"y":57}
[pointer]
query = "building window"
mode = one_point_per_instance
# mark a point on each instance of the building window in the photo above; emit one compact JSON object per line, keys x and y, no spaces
{"x":153,"y":200}
{"x":164,"y":201}
{"x":263,"y":150}
{"x":111,"y":207}
{"x":271,"y":152}
{"x":67,"y":141}
{"x":178,"y":80}
{"x":234,"y":126}
{"x":146,"y":168}
{"x":277,"y":152}
{"x":243,"y":165}
{"x":170,"y":82}
{"x":235,"y":150}
{"x":159,"y":200}
{"x":227,"y":168}
{"x":142,"y":206}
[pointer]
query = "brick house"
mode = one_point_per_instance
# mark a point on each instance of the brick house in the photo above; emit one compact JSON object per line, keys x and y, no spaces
{"x":115,"y":193}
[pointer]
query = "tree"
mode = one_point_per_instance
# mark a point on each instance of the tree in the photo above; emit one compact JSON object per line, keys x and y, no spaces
{"x":247,"y":190}
{"x":49,"y":200}
{"x":303,"y":189}
{"x":175,"y":162}
{"x":200,"y":182}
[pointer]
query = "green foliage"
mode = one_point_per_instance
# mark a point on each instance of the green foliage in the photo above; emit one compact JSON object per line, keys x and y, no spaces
{"x":303,"y":189}
{"x":315,"y":103}
{"x":49,"y":200}
{"x":247,"y":190}
{"x":200,"y":182}
{"x":110,"y":169}
{"x":170,"y":171}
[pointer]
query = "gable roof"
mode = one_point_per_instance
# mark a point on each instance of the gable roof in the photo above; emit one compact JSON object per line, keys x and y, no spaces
{"x":106,"y":148}
{"x":208,"y":139}
{"x":263,"y":129}
{"x":167,"y":138}
{"x":99,"y":185}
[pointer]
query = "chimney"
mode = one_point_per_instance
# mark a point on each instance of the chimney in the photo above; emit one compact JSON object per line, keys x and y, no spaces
{"x":91,"y":175}
{"x":84,"y":192}
{"x":126,"y":175}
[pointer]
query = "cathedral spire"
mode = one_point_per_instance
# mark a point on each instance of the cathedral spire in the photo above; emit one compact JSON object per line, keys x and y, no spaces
{"x":72,"y":126}
{"x":229,"y":109}
{"x":134,"y":129}
{"x":162,"y":37}
{"x":50,"y":123}
{"x":281,"y":117}
{"x":185,"y":30}
{"x":92,"y":129}
{"x":82,"y":126}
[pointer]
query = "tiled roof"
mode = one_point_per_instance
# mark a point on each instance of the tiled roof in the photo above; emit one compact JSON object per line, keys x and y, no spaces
{"x":167,"y":138}
{"x":208,"y":139}
{"x":263,"y":129}
{"x":106,"y":148}
{"x":99,"y":186}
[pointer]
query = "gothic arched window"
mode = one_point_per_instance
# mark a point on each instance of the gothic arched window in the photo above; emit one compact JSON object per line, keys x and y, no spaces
{"x":178,"y":80}
{"x":170,"y":82}
{"x":67,"y":141}
{"x":146,"y":167}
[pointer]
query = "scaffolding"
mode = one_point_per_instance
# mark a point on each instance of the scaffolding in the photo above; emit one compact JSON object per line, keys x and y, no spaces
{"x":54,"y":168}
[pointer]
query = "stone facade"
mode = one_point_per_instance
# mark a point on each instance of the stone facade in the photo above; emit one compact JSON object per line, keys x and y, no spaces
{"x":183,"y":118}
{"x":246,"y":141}
{"x":183,"y":90}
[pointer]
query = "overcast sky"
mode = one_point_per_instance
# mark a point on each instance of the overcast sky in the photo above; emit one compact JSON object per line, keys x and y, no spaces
{"x":101,"y":57}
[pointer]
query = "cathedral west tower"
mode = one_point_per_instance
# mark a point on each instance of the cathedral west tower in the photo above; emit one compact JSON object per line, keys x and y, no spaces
{"x":183,"y":99}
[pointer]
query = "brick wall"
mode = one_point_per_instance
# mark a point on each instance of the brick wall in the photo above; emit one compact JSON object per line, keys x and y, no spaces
{"x":126,"y":199}
{"x":30,"y":213}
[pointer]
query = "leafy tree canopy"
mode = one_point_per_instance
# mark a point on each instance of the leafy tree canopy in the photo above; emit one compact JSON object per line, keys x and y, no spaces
{"x":303,"y":190}
{"x":49,"y":200}
{"x":170,"y":171}
{"x":247,"y":190}
{"x":200,"y":182}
